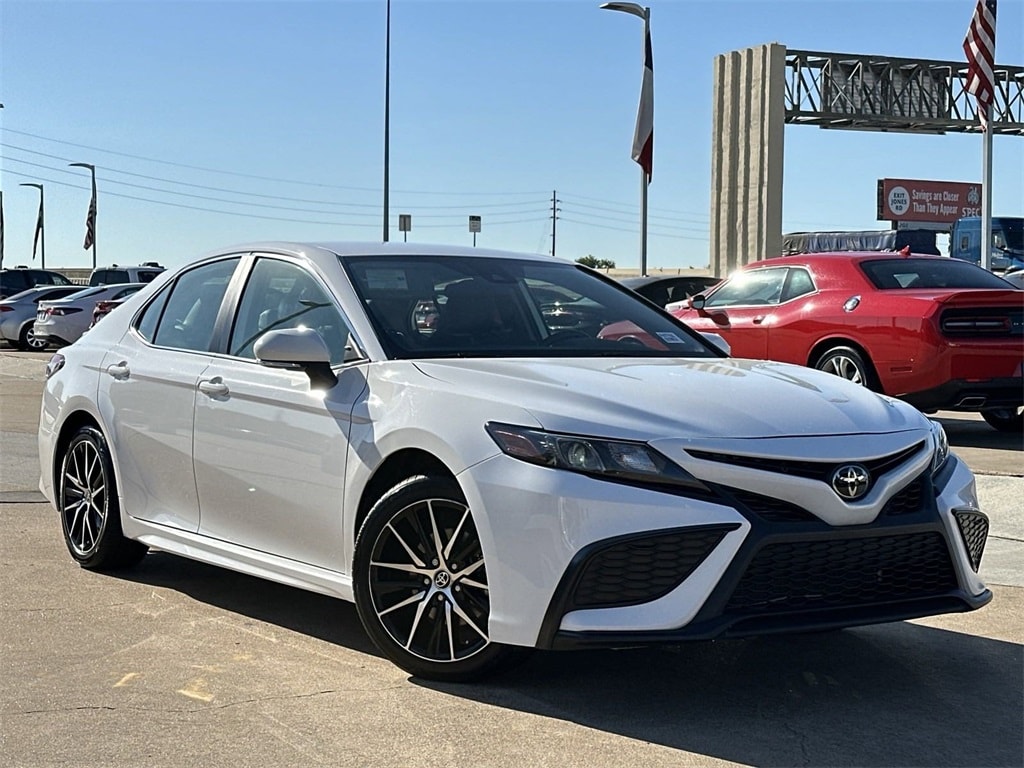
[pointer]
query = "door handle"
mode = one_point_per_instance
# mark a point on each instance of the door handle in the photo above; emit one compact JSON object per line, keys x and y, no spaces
{"x":759,"y":319}
{"x":214,"y":387}
{"x":119,"y":371}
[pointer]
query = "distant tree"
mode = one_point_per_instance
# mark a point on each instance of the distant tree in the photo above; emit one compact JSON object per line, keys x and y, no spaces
{"x":590,"y":261}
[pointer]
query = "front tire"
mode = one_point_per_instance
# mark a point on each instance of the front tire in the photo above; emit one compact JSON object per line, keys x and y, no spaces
{"x":1005,"y":419}
{"x":90,"y":515}
{"x":421,"y":587}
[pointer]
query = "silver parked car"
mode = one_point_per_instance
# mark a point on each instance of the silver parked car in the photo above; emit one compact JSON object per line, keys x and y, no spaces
{"x":18,"y":314}
{"x":64,"y":320}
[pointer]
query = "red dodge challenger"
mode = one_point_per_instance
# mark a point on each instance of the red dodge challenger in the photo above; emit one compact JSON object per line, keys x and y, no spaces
{"x":939,"y":333}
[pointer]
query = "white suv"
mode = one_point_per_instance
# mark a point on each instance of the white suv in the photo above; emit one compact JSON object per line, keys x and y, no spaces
{"x":143,"y":273}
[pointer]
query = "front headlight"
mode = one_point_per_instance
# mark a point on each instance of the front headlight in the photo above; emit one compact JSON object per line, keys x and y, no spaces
{"x":941,"y":442}
{"x":607,"y":459}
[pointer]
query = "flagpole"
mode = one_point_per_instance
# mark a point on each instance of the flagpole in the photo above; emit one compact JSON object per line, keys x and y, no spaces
{"x":40,"y":232}
{"x":644,"y":180}
{"x":642,"y":153}
{"x":986,"y":191}
{"x":91,"y":216}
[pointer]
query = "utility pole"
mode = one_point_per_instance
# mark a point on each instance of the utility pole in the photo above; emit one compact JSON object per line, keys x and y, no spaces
{"x":554,"y":218}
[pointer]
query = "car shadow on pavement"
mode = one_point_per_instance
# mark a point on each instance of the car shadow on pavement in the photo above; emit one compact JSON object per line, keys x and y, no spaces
{"x":893,"y":695}
{"x":325,"y":618}
{"x":900,"y":694}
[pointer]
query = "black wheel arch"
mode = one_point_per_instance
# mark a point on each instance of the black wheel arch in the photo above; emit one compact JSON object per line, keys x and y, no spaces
{"x":68,"y":430}
{"x":397,"y":467}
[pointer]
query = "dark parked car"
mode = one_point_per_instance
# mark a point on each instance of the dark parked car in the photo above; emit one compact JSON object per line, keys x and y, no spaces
{"x":664,"y":290}
{"x":16,"y":280}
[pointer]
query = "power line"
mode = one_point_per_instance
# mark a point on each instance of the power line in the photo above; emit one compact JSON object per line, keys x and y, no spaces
{"x":258,"y":177}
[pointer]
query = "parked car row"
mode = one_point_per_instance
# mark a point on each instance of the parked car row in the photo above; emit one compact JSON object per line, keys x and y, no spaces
{"x":56,"y":315}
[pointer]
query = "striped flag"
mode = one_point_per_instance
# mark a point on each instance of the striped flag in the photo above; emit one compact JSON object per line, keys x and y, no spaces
{"x":980,"y":47}
{"x":643,"y":137}
{"x":90,"y":221}
{"x":39,"y":228}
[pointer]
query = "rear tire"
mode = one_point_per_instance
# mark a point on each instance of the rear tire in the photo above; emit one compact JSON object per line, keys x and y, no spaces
{"x":29,"y":341}
{"x":90,"y":515}
{"x":421,"y":585}
{"x":1005,"y":419}
{"x":847,"y":363}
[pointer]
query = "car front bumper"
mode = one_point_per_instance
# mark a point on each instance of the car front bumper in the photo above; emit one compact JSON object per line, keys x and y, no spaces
{"x":573,"y":561}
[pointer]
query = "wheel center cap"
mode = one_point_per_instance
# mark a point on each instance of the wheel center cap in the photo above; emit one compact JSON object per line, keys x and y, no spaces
{"x":442,"y":579}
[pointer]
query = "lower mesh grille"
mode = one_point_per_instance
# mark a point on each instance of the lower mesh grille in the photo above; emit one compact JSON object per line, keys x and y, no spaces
{"x":642,"y":569}
{"x":805,"y":575}
{"x":908,"y":500}
{"x":974,"y":531}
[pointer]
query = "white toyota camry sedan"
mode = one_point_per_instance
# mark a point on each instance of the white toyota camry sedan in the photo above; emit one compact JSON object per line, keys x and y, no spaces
{"x":443,"y":436}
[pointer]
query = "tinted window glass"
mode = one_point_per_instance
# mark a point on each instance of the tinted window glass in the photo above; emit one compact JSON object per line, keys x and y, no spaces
{"x":759,"y":286}
{"x":280,"y":295}
{"x":191,"y":311}
{"x":797,"y":284}
{"x":449,"y":306}
{"x":911,"y":274}
{"x":151,"y":316}
{"x":146,"y":275}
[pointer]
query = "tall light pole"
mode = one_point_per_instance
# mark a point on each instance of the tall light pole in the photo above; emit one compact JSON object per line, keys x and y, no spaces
{"x":643,"y":137}
{"x":387,"y":114}
{"x":90,"y":217}
{"x":40,"y":233}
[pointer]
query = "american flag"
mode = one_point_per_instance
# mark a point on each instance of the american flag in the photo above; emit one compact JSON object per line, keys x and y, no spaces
{"x":90,"y":222}
{"x":643,"y":137}
{"x":980,"y":47}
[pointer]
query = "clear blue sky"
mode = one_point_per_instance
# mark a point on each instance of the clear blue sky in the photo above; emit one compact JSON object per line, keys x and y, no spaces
{"x":212,"y":123}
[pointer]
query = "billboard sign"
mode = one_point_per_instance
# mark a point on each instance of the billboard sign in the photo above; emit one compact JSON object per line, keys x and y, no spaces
{"x":915,"y":200}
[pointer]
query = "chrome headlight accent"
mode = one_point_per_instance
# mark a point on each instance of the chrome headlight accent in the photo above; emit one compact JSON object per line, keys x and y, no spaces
{"x":941,"y":450}
{"x":595,"y":456}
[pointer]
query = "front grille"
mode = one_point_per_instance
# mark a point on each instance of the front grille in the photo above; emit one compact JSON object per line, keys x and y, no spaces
{"x":907,"y":501}
{"x":773,"y":510}
{"x":974,"y":531}
{"x":637,"y":570}
{"x":813,"y":470}
{"x":848,"y":572}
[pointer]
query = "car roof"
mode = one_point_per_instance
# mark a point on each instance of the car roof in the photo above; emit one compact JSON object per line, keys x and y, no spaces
{"x":345,"y":249}
{"x":825,"y":256}
{"x":640,"y":282}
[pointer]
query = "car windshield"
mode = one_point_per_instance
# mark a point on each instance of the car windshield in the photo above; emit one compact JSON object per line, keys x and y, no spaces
{"x":916,"y":274}
{"x":453,"y":306}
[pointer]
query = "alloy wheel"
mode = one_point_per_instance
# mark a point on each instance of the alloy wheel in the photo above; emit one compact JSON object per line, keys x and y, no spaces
{"x":84,"y":497}
{"x":428,"y":583}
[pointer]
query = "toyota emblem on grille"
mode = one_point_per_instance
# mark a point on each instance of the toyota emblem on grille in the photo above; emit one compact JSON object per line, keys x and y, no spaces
{"x":851,"y":481}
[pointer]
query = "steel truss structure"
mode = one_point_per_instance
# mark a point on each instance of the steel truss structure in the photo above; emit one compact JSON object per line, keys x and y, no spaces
{"x":878,"y":93}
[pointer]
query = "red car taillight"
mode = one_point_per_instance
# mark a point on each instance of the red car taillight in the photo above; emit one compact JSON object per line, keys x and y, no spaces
{"x":997,"y":322}
{"x":62,"y":311}
{"x":5,"y":308}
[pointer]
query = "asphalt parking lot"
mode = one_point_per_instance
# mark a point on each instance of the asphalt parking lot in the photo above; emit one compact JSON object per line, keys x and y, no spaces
{"x":178,"y":663}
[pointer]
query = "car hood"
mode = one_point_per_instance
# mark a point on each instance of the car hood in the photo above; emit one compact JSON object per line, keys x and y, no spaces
{"x":695,"y":398}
